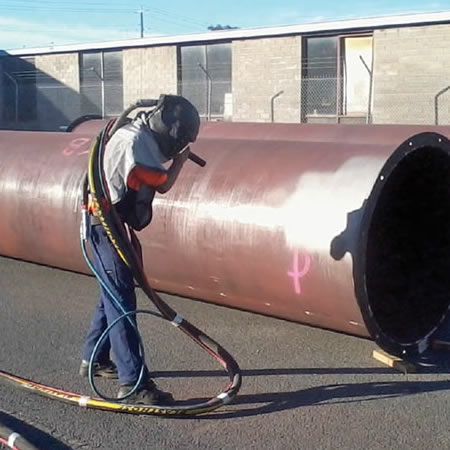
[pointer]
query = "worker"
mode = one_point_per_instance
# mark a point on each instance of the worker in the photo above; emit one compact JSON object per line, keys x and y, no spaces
{"x":134,"y":172}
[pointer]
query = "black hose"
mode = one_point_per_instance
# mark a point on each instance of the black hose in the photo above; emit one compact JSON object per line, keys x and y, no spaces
{"x":14,"y":440}
{"x":119,"y":238}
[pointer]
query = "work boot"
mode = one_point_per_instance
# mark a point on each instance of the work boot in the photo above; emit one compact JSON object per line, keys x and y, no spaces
{"x":105,"y":369}
{"x":146,"y":394}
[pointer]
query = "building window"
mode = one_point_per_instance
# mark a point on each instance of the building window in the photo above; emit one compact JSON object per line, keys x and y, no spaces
{"x":356,"y":75}
{"x":101,"y":83}
{"x":320,"y":76}
{"x":19,"y":90}
{"x":336,"y":79}
{"x":204,"y":74}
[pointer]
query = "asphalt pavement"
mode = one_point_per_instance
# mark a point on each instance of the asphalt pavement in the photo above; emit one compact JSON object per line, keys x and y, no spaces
{"x":303,"y":388}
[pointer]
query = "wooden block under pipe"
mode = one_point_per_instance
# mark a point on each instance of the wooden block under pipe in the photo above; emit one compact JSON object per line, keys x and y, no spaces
{"x":395,"y":362}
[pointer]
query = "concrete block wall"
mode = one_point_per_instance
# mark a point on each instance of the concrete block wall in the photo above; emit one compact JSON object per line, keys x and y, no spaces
{"x":411,"y":65}
{"x":260,"y":69}
{"x":149,"y":72}
{"x":58,"y":90}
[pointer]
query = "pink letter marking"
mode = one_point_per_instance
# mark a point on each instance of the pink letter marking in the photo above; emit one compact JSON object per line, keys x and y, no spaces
{"x":296,"y":274}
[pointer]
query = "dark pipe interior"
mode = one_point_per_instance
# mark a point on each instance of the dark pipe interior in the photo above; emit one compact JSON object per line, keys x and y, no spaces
{"x":408,"y":253}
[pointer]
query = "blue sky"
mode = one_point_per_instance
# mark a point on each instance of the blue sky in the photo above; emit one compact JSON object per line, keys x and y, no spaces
{"x":33,"y":23}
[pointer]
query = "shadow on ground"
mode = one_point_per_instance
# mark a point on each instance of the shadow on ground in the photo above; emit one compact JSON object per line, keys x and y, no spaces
{"x":327,"y":395}
{"x":33,"y":435}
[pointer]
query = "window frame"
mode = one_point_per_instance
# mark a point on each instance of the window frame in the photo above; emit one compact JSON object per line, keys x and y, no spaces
{"x":102,"y":78}
{"x":23,"y":76}
{"x":340,"y":73}
{"x":208,"y":114}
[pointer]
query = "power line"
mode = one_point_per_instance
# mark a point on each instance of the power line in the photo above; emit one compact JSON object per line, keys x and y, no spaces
{"x":67,"y":11}
{"x":61,"y":30}
{"x":98,"y":7}
{"x":180,"y":16}
{"x":59,"y":9}
{"x":24,"y":3}
{"x":173,"y":22}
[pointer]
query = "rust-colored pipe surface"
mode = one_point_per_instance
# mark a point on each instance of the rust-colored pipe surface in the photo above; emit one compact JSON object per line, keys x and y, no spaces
{"x":337,"y":226}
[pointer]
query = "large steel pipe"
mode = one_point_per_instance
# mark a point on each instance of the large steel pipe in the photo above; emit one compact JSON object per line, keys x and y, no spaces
{"x":343,"y":227}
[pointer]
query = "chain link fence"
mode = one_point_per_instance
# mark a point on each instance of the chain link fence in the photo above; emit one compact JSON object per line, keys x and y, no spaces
{"x":406,"y":84}
{"x":35,"y":101}
{"x":328,"y":100}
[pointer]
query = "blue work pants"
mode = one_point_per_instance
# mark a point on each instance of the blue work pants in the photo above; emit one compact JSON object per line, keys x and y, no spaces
{"x":122,"y":339}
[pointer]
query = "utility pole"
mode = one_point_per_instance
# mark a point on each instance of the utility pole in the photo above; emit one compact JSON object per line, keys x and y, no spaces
{"x":141,"y":14}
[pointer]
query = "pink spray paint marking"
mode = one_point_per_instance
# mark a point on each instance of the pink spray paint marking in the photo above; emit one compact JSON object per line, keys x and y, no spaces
{"x":76,"y":147}
{"x":297,"y":274}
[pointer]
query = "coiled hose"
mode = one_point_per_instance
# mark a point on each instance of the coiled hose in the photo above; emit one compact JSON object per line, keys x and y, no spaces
{"x":119,"y":238}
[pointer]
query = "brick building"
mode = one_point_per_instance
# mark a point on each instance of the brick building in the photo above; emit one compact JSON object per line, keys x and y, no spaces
{"x":375,"y":70}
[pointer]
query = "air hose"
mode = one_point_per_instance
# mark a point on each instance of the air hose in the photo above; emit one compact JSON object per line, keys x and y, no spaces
{"x":13,"y":440}
{"x":119,"y":238}
{"x":125,"y":248}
